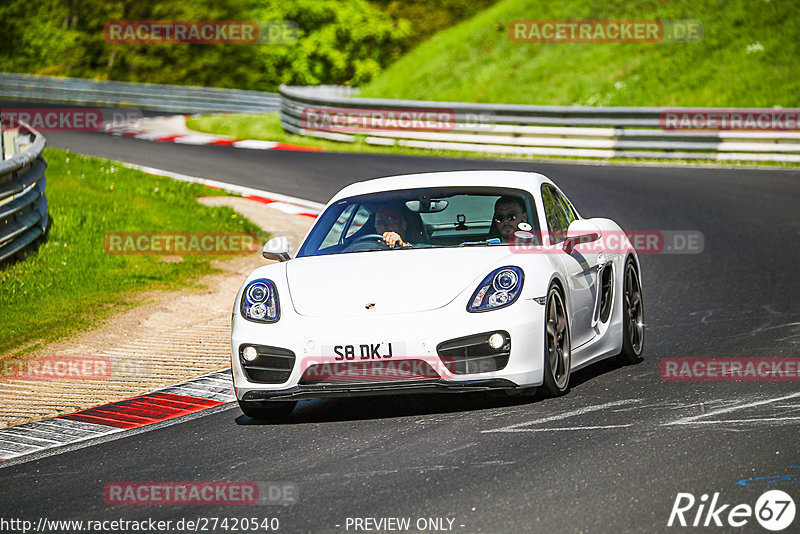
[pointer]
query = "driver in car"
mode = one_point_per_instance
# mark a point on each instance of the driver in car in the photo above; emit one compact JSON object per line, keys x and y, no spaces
{"x":392,"y":225}
{"x":508,"y":213}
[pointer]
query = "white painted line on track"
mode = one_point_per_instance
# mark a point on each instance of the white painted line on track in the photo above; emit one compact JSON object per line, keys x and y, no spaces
{"x":239,"y":189}
{"x":518,"y":427}
{"x":151,"y":136}
{"x":561,"y":428}
{"x":255,"y":144}
{"x":740,"y":421}
{"x":195,"y":139}
{"x":692,"y":419}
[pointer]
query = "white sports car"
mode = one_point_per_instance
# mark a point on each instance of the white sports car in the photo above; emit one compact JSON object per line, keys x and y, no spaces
{"x":446,"y":281}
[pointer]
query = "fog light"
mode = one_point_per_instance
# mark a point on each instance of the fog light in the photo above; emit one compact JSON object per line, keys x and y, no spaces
{"x":497,"y":340}
{"x":250,"y":353}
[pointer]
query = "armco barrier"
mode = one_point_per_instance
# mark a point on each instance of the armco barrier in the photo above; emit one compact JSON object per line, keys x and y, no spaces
{"x":23,"y":205}
{"x":157,"y":97}
{"x":572,"y":131}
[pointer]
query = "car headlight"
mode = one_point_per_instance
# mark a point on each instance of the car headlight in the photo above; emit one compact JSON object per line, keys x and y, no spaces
{"x":498,"y":290}
{"x":260,"y":302}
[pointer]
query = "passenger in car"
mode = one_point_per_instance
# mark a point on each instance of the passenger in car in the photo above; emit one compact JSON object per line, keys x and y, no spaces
{"x":508,"y":213}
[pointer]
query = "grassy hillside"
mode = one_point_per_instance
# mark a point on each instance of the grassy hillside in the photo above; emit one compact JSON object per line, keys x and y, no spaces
{"x":748,"y":57}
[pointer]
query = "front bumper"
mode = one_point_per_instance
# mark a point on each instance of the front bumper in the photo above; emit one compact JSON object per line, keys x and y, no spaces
{"x":420,"y":332}
{"x":324,"y":391}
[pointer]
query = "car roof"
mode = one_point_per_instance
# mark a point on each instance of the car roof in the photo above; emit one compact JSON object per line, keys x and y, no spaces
{"x":529,"y":181}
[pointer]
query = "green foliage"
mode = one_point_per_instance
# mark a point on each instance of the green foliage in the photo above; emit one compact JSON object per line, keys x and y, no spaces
{"x":748,"y":57}
{"x":341,"y":42}
{"x":42,"y":51}
{"x":70,"y":282}
{"x":430,"y":16}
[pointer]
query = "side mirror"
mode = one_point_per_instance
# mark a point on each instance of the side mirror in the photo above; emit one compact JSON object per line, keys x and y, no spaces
{"x":580,"y":231}
{"x":276,"y":249}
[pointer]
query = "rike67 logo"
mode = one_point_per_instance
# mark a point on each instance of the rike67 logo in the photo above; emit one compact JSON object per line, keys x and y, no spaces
{"x":774,"y":510}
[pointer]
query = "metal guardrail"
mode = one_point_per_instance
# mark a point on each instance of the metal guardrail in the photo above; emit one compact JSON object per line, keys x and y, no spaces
{"x":573,"y":131}
{"x":23,"y":205}
{"x":155,"y":97}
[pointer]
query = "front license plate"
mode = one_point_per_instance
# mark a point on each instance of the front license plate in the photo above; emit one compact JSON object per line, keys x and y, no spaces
{"x":365,"y":351}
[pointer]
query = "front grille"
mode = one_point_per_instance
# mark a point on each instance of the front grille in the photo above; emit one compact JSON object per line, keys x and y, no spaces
{"x":272,"y":366}
{"x":368,"y":372}
{"x":473,"y":354}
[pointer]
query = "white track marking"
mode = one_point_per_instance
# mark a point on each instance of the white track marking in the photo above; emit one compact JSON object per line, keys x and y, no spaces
{"x":255,"y":144}
{"x":580,"y":411}
{"x":242,"y":190}
{"x":152,"y":136}
{"x":195,"y":139}
{"x":742,"y":421}
{"x":693,"y":419}
{"x":561,"y":428}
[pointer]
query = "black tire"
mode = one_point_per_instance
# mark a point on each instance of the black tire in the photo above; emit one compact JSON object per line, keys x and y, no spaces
{"x":632,"y":315}
{"x":557,"y":345}
{"x":267,"y":410}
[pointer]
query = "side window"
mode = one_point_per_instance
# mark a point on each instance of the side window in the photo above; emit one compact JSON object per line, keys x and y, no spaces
{"x":338,"y":227}
{"x":362,"y":216}
{"x":557,"y":213}
{"x":570,"y":210}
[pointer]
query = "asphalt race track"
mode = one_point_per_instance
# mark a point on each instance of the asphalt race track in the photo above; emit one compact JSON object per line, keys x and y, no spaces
{"x":610,"y":456}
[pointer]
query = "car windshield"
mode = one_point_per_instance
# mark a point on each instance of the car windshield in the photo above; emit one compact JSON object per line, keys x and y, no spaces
{"x":424,"y":218}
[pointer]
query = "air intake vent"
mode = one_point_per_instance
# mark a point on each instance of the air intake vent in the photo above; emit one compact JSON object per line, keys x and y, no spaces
{"x":474,"y":354}
{"x":272,"y":366}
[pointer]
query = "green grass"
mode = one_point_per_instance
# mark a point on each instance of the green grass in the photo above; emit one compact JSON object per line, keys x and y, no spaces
{"x":475,"y":61}
{"x":70,"y":284}
{"x":245,"y":126}
{"x":267,"y":126}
